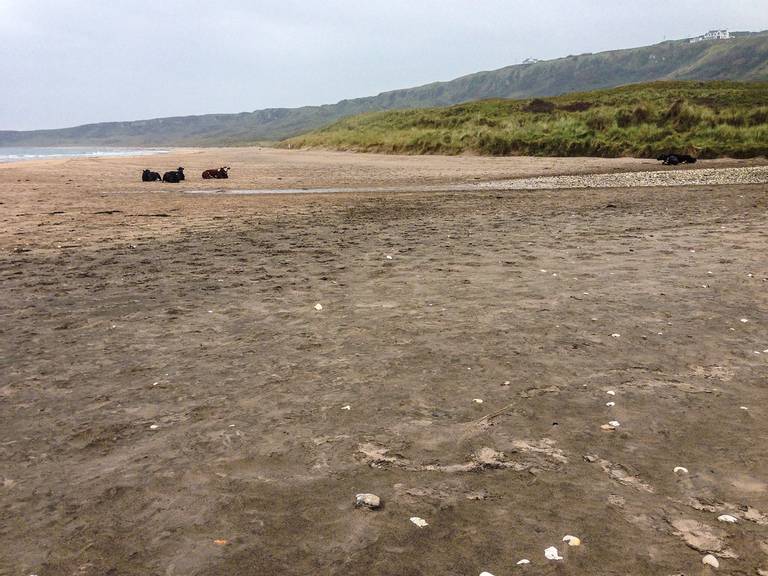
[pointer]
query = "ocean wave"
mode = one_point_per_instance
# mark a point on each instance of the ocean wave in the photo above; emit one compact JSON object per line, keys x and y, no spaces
{"x":21,"y":154}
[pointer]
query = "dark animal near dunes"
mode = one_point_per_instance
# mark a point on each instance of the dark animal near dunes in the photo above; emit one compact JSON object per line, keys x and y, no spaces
{"x":149,"y":176}
{"x":220,"y":174}
{"x":174,"y":176}
{"x":675,"y":159}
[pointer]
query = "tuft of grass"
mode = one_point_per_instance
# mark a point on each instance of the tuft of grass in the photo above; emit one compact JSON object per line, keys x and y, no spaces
{"x":707,"y":119}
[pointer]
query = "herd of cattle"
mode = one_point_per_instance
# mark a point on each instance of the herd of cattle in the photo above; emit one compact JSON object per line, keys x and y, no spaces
{"x":176,"y":176}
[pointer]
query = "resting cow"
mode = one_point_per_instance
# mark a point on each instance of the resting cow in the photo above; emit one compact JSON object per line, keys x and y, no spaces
{"x":675,"y":159}
{"x":220,"y":174}
{"x":174,"y":176}
{"x":149,"y":176}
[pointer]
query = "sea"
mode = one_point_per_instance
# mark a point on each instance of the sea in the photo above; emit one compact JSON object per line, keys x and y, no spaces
{"x":12,"y":154}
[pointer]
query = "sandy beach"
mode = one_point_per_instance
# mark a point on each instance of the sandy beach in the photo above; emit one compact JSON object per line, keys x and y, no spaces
{"x":511,"y":366}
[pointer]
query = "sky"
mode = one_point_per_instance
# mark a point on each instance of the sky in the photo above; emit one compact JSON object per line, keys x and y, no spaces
{"x":70,"y":62}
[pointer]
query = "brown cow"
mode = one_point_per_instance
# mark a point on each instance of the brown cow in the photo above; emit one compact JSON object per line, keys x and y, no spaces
{"x":220,"y":174}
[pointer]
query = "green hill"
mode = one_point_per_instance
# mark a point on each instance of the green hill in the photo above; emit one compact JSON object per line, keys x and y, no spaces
{"x":741,"y":58}
{"x":708,"y":119}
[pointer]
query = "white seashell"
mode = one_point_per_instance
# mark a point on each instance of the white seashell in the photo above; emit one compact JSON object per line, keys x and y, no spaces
{"x":614,"y":423}
{"x":347,"y":407}
{"x":154,"y":427}
{"x":523,"y":562}
{"x":572,"y":540}
{"x":711,"y":561}
{"x":743,"y":408}
{"x":389,"y":257}
{"x":744,"y":320}
{"x":485,"y":574}
{"x":318,"y":306}
{"x":477,"y":401}
{"x":610,"y":404}
{"x":615,"y":335}
{"x":551,"y":553}
{"x":728,"y":518}
{"x":420,"y":522}
{"x":680,"y":470}
{"x":611,"y":393}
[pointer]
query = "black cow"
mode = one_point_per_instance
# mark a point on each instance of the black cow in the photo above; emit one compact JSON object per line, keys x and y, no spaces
{"x":149,"y":176}
{"x":220,"y":174}
{"x":174,"y":177}
{"x":675,"y":159}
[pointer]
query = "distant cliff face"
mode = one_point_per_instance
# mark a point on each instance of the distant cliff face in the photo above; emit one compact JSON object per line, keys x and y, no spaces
{"x":744,"y":57}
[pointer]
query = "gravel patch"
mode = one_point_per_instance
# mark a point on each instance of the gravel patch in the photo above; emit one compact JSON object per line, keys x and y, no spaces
{"x":705,"y":176}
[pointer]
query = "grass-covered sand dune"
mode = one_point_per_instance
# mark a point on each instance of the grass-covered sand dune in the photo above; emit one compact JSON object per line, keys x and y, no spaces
{"x":708,"y":119}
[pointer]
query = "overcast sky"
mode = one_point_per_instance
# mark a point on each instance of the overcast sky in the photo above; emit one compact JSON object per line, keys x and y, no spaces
{"x":69,"y":62}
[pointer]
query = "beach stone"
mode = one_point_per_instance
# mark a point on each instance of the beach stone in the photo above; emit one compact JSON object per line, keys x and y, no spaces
{"x":370,"y":501}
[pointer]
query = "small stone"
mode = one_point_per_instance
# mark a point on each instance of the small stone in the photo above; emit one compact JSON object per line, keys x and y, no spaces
{"x":614,"y":423}
{"x":154,"y":427}
{"x":420,"y":522}
{"x":477,"y":401}
{"x":590,"y":459}
{"x":347,"y":407}
{"x":610,"y":404}
{"x":615,"y":335}
{"x":318,"y":306}
{"x":710,"y":561}
{"x":744,"y":320}
{"x":611,"y":393}
{"x":370,"y":501}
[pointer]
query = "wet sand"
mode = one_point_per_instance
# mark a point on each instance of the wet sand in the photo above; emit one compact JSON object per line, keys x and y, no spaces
{"x":172,"y":402}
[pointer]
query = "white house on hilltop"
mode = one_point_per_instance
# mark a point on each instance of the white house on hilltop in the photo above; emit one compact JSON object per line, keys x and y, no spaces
{"x":712,"y":35}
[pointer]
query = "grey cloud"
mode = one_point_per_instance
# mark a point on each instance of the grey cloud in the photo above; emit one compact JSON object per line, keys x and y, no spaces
{"x":67,"y":62}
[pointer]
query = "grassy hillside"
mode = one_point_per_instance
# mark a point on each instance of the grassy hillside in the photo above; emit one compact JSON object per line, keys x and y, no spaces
{"x":708,"y":119}
{"x":743,"y":58}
